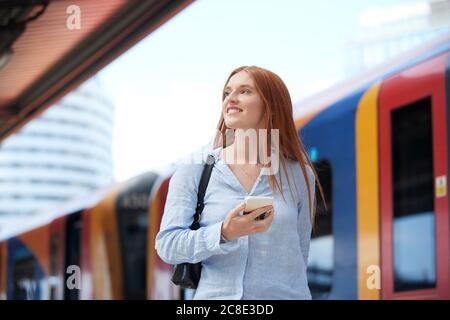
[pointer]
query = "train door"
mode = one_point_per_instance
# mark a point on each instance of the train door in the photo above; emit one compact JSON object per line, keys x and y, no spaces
{"x":57,"y":245}
{"x":72,"y":285}
{"x":413,"y":183}
{"x":132,"y":221}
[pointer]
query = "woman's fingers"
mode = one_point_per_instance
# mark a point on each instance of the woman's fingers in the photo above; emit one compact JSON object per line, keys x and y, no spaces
{"x":264,"y":224}
{"x":237,"y":210}
{"x":257,"y":212}
{"x":236,"y":225}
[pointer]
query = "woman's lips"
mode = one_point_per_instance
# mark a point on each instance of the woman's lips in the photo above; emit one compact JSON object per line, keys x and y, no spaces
{"x":233,"y":110}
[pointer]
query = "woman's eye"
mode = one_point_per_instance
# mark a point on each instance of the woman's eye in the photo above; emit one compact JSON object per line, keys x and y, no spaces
{"x":225,"y":94}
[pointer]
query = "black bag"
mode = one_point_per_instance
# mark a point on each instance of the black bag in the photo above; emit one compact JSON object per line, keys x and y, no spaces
{"x":187,"y":275}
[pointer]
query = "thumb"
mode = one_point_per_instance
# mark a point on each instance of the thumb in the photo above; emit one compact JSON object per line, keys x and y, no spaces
{"x":237,"y":210}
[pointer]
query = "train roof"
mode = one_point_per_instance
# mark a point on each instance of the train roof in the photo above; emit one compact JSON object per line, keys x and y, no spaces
{"x":86,"y":201}
{"x":44,"y":217}
{"x":44,"y":55}
{"x":319,"y":102}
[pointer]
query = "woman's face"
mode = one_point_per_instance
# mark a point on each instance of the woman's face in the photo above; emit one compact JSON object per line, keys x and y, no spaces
{"x":242,"y":107}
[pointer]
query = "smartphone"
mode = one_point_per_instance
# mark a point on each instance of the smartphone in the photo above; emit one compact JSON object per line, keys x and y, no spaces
{"x":255,"y":202}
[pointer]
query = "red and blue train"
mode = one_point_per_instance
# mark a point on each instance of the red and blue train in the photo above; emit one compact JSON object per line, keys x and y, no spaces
{"x":380,"y":146}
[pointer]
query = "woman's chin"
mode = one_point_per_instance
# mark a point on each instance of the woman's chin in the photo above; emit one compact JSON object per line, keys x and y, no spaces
{"x":233,"y":124}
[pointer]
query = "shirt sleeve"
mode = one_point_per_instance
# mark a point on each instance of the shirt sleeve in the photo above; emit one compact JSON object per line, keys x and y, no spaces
{"x":304,"y":221}
{"x":175,"y":242}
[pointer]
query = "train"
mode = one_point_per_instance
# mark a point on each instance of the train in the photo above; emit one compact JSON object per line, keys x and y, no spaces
{"x":93,"y":248}
{"x":379,"y":144}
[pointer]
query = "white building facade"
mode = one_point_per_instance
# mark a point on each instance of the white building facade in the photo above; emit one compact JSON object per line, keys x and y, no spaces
{"x":65,"y":153}
{"x":385,"y":32}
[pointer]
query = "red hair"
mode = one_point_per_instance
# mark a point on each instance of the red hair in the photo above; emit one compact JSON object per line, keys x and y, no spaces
{"x":278,"y":114}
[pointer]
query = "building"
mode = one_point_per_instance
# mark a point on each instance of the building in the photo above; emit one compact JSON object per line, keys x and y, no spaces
{"x":65,"y":153}
{"x":385,"y":32}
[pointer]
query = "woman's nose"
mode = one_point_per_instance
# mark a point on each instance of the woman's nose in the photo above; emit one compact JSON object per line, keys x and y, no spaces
{"x":233,"y":97}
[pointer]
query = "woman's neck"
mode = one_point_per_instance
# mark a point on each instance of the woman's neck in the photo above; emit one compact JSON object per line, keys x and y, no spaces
{"x":243,"y":150}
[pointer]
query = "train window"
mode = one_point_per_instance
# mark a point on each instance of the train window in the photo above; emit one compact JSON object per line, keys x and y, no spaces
{"x":73,"y":235}
{"x":413,"y":199}
{"x":321,"y":253}
{"x":26,"y":275}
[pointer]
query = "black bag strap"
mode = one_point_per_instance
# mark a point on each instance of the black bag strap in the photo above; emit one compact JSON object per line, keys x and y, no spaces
{"x":204,"y":180}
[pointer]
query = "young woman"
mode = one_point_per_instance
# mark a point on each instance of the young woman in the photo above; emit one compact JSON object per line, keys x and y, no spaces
{"x":244,"y":258}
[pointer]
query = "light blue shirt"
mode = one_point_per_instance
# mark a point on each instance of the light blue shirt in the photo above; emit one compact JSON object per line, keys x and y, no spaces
{"x":266,"y":265}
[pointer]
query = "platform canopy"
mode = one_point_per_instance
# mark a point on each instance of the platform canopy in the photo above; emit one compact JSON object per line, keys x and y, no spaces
{"x":49,"y":47}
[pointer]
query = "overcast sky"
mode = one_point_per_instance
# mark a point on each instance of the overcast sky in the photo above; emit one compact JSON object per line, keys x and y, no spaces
{"x":167,"y":88}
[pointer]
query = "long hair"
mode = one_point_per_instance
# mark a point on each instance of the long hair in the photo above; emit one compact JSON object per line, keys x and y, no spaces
{"x":278,"y":114}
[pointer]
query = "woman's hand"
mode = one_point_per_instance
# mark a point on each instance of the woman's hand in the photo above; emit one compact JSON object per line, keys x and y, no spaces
{"x":236,"y":225}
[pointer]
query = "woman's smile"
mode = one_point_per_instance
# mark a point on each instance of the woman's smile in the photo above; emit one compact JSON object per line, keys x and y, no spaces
{"x":233,"y":110}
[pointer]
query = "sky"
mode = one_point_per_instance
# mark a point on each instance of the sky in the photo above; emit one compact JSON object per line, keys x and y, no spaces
{"x":167,"y":88}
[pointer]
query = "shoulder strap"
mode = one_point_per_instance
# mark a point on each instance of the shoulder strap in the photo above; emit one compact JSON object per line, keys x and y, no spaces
{"x":204,"y":180}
